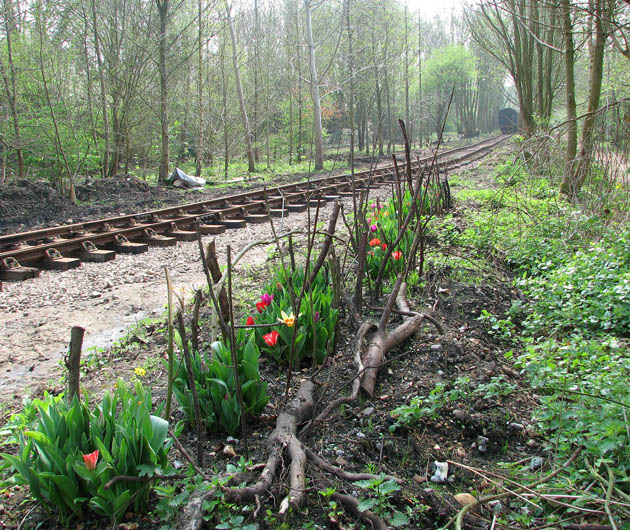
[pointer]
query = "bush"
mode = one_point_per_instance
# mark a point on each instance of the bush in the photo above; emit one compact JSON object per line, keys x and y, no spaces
{"x":216,"y":389}
{"x":71,"y":453}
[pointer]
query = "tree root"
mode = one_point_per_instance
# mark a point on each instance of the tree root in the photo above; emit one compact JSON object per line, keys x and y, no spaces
{"x":380,"y":342}
{"x":283,"y":437}
{"x":352,"y":503}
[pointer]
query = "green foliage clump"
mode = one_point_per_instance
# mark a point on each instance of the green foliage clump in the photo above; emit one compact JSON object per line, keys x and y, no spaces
{"x":380,"y":490}
{"x":213,"y":374}
{"x":130,"y":441}
{"x":589,"y":290}
{"x":315,"y":321}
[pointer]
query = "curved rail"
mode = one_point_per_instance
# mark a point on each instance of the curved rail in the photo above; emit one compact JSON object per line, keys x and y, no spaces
{"x":64,"y":247}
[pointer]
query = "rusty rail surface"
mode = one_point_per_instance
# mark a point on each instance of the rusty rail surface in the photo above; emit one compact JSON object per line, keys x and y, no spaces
{"x":63,"y":247}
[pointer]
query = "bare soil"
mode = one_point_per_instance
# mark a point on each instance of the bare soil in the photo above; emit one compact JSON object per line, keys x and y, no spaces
{"x":37,"y":316}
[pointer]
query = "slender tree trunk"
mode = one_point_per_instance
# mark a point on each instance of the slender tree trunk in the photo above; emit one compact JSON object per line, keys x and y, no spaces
{"x":101,"y":78}
{"x":163,"y":6}
{"x":317,"y":110}
{"x":226,"y":144}
{"x":241,"y":97}
{"x":602,"y":15}
{"x":569,"y":60}
{"x":11,"y":93}
{"x":351,"y":71}
{"x":407,"y":122}
{"x":200,"y":140}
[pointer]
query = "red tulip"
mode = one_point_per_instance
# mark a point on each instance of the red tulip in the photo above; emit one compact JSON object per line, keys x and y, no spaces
{"x":375,"y":242}
{"x":260,"y":306}
{"x":90,"y":460}
{"x":397,"y":255}
{"x":271,"y":338}
{"x":250,"y":321}
{"x":384,"y":247}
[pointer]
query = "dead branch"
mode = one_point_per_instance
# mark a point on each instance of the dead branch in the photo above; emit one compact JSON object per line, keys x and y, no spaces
{"x":346,"y":475}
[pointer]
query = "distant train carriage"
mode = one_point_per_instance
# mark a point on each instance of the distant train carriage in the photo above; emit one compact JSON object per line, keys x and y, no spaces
{"x":508,"y":121}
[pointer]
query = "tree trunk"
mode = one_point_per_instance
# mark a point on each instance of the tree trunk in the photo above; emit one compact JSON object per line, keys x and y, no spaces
{"x":595,"y":87}
{"x":11,"y":93}
{"x":163,"y":6}
{"x":569,"y":60}
{"x":317,"y":111}
{"x":199,"y":151}
{"x":101,"y":78}
{"x":351,"y":87}
{"x":241,"y":97}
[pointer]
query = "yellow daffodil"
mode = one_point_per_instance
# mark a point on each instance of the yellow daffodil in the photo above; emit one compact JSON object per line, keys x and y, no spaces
{"x":140,"y":372}
{"x":289,"y":320}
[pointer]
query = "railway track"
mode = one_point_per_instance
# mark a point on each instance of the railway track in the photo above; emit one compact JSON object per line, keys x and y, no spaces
{"x":23,"y":254}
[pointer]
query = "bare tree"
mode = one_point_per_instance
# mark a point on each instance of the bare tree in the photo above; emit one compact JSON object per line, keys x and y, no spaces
{"x":317,"y":108}
{"x":241,"y":97}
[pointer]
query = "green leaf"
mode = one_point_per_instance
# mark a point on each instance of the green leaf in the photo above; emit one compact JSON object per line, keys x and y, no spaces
{"x":366,"y":504}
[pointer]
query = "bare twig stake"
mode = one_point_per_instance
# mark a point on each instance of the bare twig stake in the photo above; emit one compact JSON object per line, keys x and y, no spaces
{"x":224,"y":328}
{"x":193,"y":388}
{"x":73,"y":361}
{"x":170,"y":348}
{"x":215,"y":271}
{"x":194,"y":325}
{"x":234,"y":350}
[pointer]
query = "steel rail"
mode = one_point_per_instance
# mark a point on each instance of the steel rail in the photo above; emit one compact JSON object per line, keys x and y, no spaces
{"x":63,"y":247}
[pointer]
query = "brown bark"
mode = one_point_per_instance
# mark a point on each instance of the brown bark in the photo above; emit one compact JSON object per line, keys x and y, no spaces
{"x":215,"y":271}
{"x":163,"y":6}
{"x":73,"y":362}
{"x":241,"y":98}
{"x":380,"y":342}
{"x":298,"y":410}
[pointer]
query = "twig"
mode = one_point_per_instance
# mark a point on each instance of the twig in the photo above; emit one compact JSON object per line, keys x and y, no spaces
{"x":458,"y":518}
{"x":193,"y":387}
{"x":188,"y":458}
{"x":609,"y":492}
{"x":237,"y":382}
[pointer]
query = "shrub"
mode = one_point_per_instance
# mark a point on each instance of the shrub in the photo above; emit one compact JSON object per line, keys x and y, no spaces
{"x":71,"y":453}
{"x":216,"y":389}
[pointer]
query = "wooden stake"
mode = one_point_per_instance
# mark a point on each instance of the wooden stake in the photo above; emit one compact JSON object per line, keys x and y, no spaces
{"x":73,"y":361}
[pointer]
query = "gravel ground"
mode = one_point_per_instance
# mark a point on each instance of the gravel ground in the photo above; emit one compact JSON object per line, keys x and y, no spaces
{"x":36,"y":315}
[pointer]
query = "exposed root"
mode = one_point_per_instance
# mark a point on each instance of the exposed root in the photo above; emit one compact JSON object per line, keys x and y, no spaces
{"x":283,"y":437}
{"x":381,"y":341}
{"x":352,"y":504}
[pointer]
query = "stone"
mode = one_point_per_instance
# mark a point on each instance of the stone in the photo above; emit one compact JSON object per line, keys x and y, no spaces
{"x":536,"y":463}
{"x":436,"y":347}
{"x":482,"y":444}
{"x":464,"y":499}
{"x":419,"y":479}
{"x":228,"y":450}
{"x":368,"y":411}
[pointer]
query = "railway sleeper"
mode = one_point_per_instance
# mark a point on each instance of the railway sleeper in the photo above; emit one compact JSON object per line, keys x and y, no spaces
{"x":181,"y":235}
{"x":54,"y":260}
{"x":89,"y":252}
{"x":156,"y":240}
{"x":124,"y":246}
{"x":11,"y":270}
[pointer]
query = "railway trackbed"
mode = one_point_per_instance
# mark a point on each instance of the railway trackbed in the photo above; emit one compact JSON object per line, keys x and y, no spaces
{"x":22,"y":255}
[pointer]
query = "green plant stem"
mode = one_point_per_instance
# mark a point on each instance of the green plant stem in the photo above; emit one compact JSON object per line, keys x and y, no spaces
{"x":171,"y":358}
{"x":233,"y":350}
{"x":193,"y":389}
